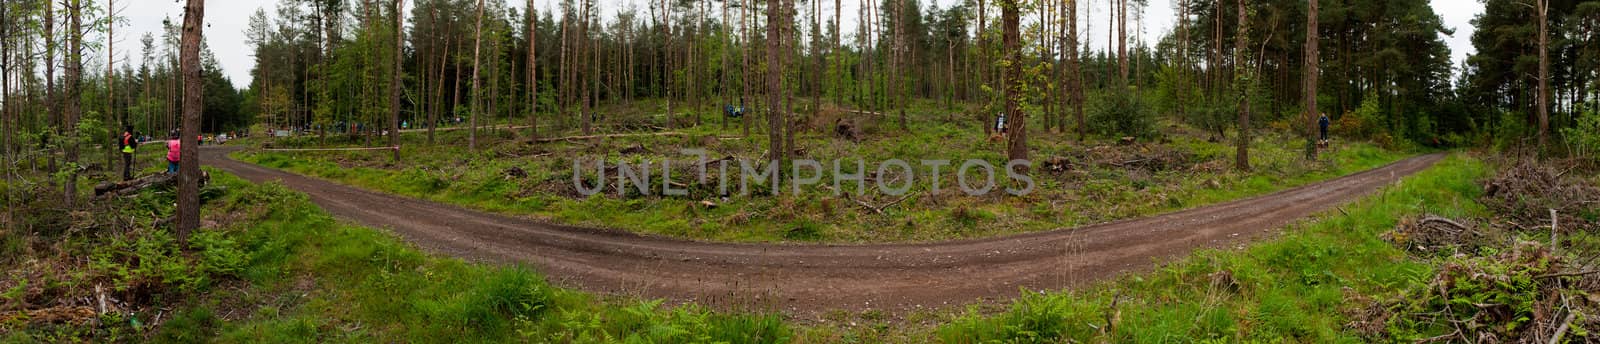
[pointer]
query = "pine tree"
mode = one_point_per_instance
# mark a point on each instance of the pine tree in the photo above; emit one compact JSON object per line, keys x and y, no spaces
{"x":189,"y":150}
{"x":1016,"y":121}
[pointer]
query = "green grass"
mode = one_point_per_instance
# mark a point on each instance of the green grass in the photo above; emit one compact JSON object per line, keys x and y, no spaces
{"x":450,"y":173}
{"x":1290,"y":288}
{"x":286,"y":271}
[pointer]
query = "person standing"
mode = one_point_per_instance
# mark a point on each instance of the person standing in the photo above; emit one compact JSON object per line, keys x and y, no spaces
{"x":129,"y":144}
{"x":1322,"y":124}
{"x":172,"y":153}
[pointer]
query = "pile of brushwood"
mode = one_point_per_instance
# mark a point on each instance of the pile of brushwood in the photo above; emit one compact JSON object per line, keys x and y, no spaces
{"x":1519,"y":277}
{"x":1526,"y":192}
{"x":108,"y":269}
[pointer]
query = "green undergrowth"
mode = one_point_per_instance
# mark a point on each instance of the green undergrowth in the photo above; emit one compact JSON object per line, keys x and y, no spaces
{"x":280,"y":269}
{"x":1182,"y":169}
{"x":1294,"y":287}
{"x":372,"y":287}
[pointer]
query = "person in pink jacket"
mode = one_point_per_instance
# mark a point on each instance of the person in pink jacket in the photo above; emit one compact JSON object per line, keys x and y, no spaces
{"x":172,"y":154}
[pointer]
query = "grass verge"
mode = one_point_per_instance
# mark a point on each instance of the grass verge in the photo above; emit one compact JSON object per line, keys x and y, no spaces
{"x":1293,"y":287}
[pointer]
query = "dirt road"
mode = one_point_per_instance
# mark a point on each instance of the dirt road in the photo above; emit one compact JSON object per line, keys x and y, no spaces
{"x":811,"y":279}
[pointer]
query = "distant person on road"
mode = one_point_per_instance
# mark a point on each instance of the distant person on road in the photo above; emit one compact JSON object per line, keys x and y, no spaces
{"x":128,"y":145}
{"x":172,"y":154}
{"x":1322,"y":123}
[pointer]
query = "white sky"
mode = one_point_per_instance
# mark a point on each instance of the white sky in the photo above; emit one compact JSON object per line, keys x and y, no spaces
{"x":226,"y":21}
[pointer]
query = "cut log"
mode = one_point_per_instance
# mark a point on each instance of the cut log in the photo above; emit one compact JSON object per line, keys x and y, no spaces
{"x":591,"y":137}
{"x":113,"y":189}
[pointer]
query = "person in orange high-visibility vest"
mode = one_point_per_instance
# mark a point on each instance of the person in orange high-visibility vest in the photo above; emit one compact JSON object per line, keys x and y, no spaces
{"x":128,"y":145}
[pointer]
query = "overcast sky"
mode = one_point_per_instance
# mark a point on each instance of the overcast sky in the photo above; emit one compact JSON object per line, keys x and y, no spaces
{"x":226,"y":21}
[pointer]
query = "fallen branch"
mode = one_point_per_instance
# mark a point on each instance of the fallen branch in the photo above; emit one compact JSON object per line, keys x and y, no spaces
{"x":1439,"y":220}
{"x":112,"y":189}
{"x":878,"y":209}
{"x":860,"y":112}
{"x":329,"y":149}
{"x":1567,"y":274}
{"x":591,"y":137}
{"x":1562,"y":331}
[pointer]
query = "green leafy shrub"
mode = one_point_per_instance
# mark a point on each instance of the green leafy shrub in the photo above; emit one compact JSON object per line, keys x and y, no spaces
{"x":1585,"y":135}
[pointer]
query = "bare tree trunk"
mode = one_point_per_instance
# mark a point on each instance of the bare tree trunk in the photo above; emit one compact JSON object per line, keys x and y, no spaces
{"x":1311,"y":73}
{"x":839,"y":47}
{"x":1240,"y":57}
{"x":477,"y":95}
{"x":744,"y":65}
{"x":189,"y":150}
{"x":1016,"y":121}
{"x":1183,"y":58}
{"x":896,"y":66}
{"x":74,"y":88}
{"x":53,"y":106}
{"x":1544,"y":72}
{"x":775,"y":82}
{"x":7,"y":126}
{"x":1074,"y":61}
{"x":394,"y":81}
{"x":112,"y":120}
{"x":594,"y":77}
{"x":666,"y":25}
{"x":533,"y":72}
{"x":438,"y":87}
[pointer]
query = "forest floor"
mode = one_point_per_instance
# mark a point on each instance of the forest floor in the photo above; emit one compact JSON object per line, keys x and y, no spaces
{"x":808,"y":280}
{"x":1077,"y":183}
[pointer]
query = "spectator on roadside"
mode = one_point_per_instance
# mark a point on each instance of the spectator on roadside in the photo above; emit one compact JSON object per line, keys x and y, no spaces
{"x":172,"y":154}
{"x":128,"y":145}
{"x":1322,"y":123}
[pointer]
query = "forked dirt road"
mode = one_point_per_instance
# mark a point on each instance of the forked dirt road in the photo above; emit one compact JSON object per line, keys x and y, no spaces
{"x":812,"y":279}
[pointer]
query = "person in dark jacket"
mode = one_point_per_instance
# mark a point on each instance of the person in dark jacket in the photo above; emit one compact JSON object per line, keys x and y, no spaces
{"x":1322,"y":124}
{"x":128,"y":145}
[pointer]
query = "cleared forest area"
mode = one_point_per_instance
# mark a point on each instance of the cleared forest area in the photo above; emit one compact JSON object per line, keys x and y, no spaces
{"x":763,"y":137}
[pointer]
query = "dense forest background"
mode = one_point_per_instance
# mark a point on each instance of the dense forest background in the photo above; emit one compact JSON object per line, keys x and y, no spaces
{"x":326,"y":65}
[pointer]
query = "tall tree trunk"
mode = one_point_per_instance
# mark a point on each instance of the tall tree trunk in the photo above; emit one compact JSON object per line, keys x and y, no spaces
{"x":838,"y":64}
{"x":533,"y":73}
{"x":666,"y":25}
{"x":7,"y":126}
{"x":985,"y":65}
{"x":1183,"y":59}
{"x":53,"y":105}
{"x":1016,"y":121}
{"x":775,"y":83}
{"x":1311,"y":73}
{"x":394,"y":80}
{"x":477,"y":95}
{"x":189,"y":150}
{"x":438,"y":87}
{"x":792,"y":41}
{"x":112,"y":121}
{"x":591,"y":97}
{"x":1242,"y":82}
{"x":744,"y":64}
{"x":1544,"y":72}
{"x":1074,"y":61}
{"x":1122,"y":40}
{"x":74,"y":88}
{"x":896,"y":65}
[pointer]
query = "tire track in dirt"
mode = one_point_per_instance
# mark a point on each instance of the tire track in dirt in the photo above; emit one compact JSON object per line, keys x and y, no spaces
{"x":812,"y":279}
